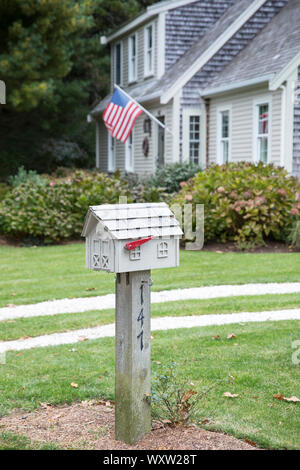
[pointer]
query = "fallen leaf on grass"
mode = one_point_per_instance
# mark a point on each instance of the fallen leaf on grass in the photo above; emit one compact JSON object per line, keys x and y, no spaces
{"x":90,"y":288}
{"x":251,"y":443}
{"x":25,"y":337}
{"x":292,"y":399}
{"x":232,"y":335}
{"x":278,"y":396}
{"x":230,"y":395}
{"x":215,"y":337}
{"x":74,"y":385}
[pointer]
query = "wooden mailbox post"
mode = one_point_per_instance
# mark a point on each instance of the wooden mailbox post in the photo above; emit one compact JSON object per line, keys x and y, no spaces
{"x":130,"y":240}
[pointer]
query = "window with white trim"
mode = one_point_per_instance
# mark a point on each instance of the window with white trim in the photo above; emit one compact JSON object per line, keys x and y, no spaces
{"x":148,"y":56}
{"x":118,"y":64}
{"x":132,"y":58}
{"x":194,"y":139}
{"x":111,"y":153}
{"x":262,"y":115}
{"x":129,"y":153}
{"x":224,"y":136}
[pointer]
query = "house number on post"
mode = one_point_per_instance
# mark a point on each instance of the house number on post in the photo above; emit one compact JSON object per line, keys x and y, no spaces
{"x":130,"y":240}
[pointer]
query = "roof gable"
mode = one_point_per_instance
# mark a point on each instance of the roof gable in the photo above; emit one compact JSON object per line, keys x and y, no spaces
{"x":266,"y":56}
{"x":202,"y":51}
{"x":151,"y":11}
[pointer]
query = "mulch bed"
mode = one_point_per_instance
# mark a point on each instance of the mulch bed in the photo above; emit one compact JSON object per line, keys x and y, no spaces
{"x":90,"y":425}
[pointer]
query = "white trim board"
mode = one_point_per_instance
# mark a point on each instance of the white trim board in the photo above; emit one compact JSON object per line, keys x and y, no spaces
{"x":282,"y":76}
{"x":212,"y":50}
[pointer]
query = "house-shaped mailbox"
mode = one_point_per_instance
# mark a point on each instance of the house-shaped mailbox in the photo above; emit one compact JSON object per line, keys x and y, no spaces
{"x":131,"y":237}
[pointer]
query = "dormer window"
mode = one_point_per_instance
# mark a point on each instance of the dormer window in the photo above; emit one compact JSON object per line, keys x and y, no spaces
{"x":148,"y":56}
{"x":132,"y":58}
{"x":118,"y":63}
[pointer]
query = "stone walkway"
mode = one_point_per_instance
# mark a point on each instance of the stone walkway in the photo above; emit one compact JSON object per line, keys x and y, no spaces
{"x":56,"y":307}
{"x":164,"y":323}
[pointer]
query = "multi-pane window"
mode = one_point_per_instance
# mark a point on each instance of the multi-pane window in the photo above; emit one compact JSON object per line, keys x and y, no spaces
{"x":224,"y":136}
{"x":132,"y":57}
{"x":118,"y":64}
{"x":263,"y":132}
{"x":149,"y":50}
{"x":129,"y":153}
{"x":194,"y":131}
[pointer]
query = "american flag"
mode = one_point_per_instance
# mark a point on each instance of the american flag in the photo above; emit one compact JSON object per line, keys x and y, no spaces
{"x":120,"y":116}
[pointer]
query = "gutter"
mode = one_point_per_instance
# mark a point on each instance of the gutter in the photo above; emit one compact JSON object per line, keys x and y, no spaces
{"x":236,"y":85}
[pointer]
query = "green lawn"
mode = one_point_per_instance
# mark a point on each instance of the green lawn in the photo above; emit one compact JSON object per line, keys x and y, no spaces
{"x":260,"y":364}
{"x":36,"y":326}
{"x":30,"y":275}
{"x":10,"y":441}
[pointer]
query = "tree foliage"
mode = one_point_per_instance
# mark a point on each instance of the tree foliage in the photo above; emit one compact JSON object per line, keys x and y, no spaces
{"x":55,"y":70}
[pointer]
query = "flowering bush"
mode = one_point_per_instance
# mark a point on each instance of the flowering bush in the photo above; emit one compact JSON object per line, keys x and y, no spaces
{"x":56,"y":210}
{"x":244,"y":202}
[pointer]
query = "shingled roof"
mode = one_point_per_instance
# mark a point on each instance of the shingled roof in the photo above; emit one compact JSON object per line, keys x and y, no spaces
{"x":130,"y":221}
{"x":267,"y":54}
{"x":156,"y":88}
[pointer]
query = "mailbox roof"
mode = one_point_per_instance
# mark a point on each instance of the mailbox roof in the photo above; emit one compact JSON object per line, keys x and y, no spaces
{"x":130,"y":221}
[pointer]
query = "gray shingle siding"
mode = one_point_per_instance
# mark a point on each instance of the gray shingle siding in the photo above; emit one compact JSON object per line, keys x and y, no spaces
{"x":237,"y":43}
{"x":187,"y":24}
{"x":296,"y":151}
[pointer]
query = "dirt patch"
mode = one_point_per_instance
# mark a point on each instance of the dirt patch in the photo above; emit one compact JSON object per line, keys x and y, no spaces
{"x":90,"y":425}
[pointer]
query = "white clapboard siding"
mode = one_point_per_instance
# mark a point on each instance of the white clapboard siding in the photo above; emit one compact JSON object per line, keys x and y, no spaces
{"x":241,"y":105}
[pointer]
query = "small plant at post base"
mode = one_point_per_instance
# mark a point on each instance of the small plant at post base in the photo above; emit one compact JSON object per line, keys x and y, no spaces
{"x":173,"y":398}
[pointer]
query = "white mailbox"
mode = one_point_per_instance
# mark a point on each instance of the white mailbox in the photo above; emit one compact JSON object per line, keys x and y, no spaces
{"x":131,"y":237}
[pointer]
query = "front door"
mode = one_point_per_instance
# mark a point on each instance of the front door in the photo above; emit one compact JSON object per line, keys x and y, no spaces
{"x":160,"y":160}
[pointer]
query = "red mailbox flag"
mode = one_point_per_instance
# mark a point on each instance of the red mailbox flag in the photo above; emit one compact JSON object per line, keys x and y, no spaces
{"x":132,"y":245}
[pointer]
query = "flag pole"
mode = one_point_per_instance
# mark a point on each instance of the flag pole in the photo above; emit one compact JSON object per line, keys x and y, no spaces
{"x":145,"y":110}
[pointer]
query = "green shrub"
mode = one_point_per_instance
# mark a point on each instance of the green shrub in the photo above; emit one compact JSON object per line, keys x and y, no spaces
{"x":56,"y":211}
{"x":4,"y":188}
{"x":169,"y":177}
{"x":142,"y":190}
{"x":244,"y":202}
{"x":24,"y":176}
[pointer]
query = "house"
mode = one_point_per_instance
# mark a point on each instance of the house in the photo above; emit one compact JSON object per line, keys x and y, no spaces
{"x":221,"y":75}
{"x":131,"y":237}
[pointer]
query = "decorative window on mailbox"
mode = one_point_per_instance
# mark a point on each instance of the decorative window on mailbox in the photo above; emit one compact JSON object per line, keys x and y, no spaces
{"x":162,"y":250}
